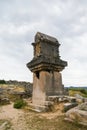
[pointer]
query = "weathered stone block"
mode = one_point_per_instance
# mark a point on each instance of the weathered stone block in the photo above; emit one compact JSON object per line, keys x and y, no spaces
{"x":68,"y":106}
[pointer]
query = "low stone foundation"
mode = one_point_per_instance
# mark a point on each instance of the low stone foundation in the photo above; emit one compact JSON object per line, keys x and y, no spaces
{"x":39,"y":108}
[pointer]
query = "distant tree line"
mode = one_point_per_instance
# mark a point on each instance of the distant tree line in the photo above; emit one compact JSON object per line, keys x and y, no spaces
{"x":2,"y":82}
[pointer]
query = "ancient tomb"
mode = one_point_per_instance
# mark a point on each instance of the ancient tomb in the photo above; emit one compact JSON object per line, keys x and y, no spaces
{"x":46,"y":66}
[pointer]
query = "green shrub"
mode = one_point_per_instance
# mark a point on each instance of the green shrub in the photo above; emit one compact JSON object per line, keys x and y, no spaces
{"x":83,"y":91}
{"x":19,"y":104}
{"x":2,"y":82}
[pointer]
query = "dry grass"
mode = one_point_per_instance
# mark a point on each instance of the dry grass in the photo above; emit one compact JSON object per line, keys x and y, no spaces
{"x":36,"y":122}
{"x":5,"y":125}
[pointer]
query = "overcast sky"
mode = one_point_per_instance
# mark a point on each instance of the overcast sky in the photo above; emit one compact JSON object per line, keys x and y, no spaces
{"x":64,"y":19}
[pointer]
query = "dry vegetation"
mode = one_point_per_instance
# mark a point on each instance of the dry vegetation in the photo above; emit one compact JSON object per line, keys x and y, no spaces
{"x":80,"y":91}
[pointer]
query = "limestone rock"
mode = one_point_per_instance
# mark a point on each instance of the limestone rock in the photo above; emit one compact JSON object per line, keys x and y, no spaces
{"x":68,"y":106}
{"x":78,"y":114}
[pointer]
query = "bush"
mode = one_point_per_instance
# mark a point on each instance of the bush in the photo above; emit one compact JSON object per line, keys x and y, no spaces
{"x":2,"y":82}
{"x":83,"y":91}
{"x":19,"y":104}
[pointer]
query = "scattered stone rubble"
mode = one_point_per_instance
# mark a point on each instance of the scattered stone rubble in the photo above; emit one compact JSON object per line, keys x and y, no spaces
{"x":14,"y":89}
{"x":4,"y":101}
{"x":26,"y":85}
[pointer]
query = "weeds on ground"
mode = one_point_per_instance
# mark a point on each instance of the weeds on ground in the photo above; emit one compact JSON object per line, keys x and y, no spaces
{"x":19,"y":104}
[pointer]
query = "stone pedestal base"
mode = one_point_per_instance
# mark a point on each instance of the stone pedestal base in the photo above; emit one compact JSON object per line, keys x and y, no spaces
{"x":46,"y":84}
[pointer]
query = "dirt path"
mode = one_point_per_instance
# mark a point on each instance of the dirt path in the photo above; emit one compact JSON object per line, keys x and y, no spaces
{"x":15,"y":116}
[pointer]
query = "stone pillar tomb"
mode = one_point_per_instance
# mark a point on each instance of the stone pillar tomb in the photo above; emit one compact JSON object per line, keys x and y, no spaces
{"x":46,"y":66}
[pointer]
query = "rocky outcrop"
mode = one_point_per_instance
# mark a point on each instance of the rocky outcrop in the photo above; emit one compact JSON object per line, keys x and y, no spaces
{"x":78,"y":114}
{"x":14,"y":89}
{"x":27,"y":86}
